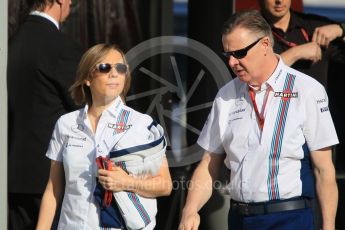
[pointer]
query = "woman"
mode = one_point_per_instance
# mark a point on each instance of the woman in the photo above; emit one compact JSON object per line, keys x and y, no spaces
{"x":106,"y":125}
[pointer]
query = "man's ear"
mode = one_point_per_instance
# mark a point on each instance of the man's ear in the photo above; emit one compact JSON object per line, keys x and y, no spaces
{"x":266,"y":41}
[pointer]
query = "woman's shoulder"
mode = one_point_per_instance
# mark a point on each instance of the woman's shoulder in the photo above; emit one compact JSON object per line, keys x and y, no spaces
{"x":71,"y":117}
{"x":139,"y":117}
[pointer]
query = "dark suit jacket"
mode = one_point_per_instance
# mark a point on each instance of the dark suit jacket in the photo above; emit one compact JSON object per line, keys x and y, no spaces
{"x":42,"y":64}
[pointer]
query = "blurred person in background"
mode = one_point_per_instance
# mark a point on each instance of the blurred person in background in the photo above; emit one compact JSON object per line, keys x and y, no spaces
{"x":306,"y":42}
{"x":42,"y":63}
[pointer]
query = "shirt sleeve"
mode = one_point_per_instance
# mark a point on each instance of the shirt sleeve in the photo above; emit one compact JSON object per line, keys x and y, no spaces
{"x":210,"y":137}
{"x":56,"y":144}
{"x":319,"y":129}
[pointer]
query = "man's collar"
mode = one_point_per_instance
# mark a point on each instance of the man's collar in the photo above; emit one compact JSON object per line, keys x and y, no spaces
{"x":47,"y":16}
{"x":276,"y":76}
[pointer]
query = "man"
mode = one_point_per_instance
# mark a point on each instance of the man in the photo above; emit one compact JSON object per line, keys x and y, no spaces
{"x":261,"y":122}
{"x":41,"y":66}
{"x":306,"y":42}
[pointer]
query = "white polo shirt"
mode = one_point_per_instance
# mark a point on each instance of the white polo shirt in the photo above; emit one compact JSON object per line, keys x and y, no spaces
{"x":74,"y":144}
{"x":273,"y":163}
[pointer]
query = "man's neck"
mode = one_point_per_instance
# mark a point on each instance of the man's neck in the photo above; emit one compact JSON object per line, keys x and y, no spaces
{"x":53,"y":11}
{"x":47,"y":16}
{"x":270,"y":67}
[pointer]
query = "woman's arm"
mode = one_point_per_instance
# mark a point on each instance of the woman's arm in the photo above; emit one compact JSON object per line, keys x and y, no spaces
{"x":118,"y":180}
{"x":52,"y":196}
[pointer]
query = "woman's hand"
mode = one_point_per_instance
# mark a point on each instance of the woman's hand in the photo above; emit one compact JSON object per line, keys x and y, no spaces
{"x":115,"y":179}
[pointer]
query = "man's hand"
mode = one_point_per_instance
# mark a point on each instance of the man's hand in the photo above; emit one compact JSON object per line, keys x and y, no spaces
{"x":309,"y":51}
{"x":189,"y":221}
{"x":323,"y":35}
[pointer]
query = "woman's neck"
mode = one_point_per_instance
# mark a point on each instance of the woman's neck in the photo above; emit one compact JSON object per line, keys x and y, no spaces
{"x":95,"y":111}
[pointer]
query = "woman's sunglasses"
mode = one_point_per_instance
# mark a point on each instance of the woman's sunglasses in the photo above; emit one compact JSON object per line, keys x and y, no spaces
{"x":239,"y":54}
{"x":106,"y":68}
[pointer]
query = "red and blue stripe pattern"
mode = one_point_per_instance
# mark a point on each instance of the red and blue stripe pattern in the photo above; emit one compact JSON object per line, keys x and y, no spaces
{"x":277,"y":139}
{"x":121,"y":121}
{"x":134,"y":198}
{"x":137,"y":204}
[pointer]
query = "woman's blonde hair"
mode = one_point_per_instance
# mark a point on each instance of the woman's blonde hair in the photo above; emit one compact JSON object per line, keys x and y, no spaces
{"x":80,"y":92}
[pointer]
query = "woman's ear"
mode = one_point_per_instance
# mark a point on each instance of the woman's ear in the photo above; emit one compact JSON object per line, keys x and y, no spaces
{"x":87,"y":82}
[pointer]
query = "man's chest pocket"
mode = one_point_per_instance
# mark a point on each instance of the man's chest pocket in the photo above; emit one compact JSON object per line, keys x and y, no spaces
{"x":237,"y":126}
{"x":236,"y":133}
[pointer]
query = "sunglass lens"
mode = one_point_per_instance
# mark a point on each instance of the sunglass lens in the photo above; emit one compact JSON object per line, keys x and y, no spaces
{"x":240,"y":53}
{"x":226,"y":54}
{"x":104,"y":68}
{"x":121,"y":68}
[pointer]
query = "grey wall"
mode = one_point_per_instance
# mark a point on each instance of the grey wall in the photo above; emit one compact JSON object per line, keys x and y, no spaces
{"x":3,"y":115}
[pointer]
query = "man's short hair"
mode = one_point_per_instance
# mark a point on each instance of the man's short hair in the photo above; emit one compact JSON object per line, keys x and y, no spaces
{"x":39,"y":4}
{"x":251,"y":20}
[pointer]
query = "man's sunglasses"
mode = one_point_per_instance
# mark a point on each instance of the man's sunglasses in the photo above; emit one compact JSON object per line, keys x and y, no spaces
{"x":238,"y":54}
{"x":106,"y":68}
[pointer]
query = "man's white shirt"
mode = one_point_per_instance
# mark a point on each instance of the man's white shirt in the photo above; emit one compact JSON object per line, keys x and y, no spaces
{"x":267,"y":165}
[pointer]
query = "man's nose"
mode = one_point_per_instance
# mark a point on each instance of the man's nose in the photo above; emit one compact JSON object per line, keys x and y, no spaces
{"x":232,"y":61}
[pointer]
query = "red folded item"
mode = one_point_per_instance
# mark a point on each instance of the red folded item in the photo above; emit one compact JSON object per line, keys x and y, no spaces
{"x":105,"y":163}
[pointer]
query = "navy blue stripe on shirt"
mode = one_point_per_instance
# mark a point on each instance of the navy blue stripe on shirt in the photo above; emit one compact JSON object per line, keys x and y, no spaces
{"x":122,"y":152}
{"x":307,"y":175}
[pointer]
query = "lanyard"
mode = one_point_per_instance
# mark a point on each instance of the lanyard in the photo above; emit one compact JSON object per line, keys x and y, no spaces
{"x":288,"y":43}
{"x":260,"y":116}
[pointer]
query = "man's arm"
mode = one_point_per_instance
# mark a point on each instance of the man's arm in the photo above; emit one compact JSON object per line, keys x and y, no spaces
{"x":326,"y":186}
{"x":309,"y":51}
{"x":200,"y":189}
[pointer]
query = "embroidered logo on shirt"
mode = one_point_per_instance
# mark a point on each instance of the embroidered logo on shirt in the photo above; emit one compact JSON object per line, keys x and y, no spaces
{"x":236,"y":115}
{"x":286,"y":95}
{"x":119,"y":127}
{"x":121,"y":122}
{"x":74,"y":145}
{"x":324,"y":109}
{"x":73,"y":141}
{"x":77,"y":138}
{"x":238,"y":111}
{"x":277,"y":77}
{"x":319,"y":101}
